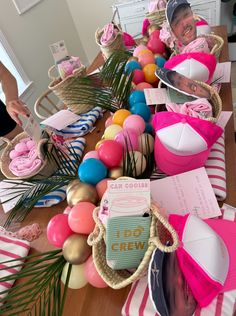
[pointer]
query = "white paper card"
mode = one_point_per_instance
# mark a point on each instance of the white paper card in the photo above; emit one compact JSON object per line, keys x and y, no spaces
{"x":59,"y":51}
{"x":155,"y":96}
{"x":224,"y":118}
{"x":60,"y":119}
{"x":32,"y":128}
{"x":222,"y":72}
{"x":8,"y":191}
{"x":128,"y":197}
{"x":189,"y":192}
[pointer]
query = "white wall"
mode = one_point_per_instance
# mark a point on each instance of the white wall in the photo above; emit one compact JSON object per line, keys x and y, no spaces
{"x":88,"y":16}
{"x":31,"y":33}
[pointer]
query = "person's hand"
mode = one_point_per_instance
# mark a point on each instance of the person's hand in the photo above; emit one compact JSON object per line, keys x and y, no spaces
{"x":16,"y":107}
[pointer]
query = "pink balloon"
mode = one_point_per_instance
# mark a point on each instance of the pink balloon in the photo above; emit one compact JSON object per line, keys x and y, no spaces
{"x":67,"y":210}
{"x":58,"y":230}
{"x":108,"y":121}
{"x":92,"y":275}
{"x":80,"y":218}
{"x":143,"y":85}
{"x":101,"y":187}
{"x":138,"y":76}
{"x":138,"y":49}
{"x":128,"y":138}
{"x":146,"y":59}
{"x":91,"y":154}
{"x":135,"y":122}
{"x":110,"y":153}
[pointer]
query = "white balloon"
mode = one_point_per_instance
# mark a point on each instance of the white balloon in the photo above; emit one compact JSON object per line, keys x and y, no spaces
{"x":146,"y":143}
{"x":77,"y":277}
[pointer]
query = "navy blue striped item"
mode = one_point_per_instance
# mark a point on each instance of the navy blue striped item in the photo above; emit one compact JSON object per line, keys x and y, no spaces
{"x":82,"y":126}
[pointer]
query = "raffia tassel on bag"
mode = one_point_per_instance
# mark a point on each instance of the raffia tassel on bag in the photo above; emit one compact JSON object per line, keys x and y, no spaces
{"x":160,"y":232}
{"x":109,"y":39}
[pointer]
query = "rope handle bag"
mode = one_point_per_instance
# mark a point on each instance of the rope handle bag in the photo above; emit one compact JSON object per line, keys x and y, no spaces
{"x":117,"y":279}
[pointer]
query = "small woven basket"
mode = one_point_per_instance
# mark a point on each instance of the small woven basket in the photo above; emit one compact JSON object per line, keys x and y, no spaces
{"x":156,"y":17}
{"x":215,"y":43}
{"x":47,"y":168}
{"x":160,"y":229}
{"x":116,"y":44}
{"x":215,"y":101}
{"x":66,"y":90}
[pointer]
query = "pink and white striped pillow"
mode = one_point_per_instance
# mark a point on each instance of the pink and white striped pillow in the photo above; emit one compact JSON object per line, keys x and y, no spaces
{"x":11,"y":248}
{"x":138,"y":302}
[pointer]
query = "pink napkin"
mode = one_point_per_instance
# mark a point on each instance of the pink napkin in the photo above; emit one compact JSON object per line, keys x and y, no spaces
{"x":200,"y":108}
{"x":139,"y":303}
{"x":10,"y":248}
{"x":198,"y":45}
{"x":109,"y":34}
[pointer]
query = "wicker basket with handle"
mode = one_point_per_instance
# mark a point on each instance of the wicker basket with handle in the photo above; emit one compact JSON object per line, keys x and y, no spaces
{"x":47,"y":168}
{"x":116,"y":279}
{"x":67,"y":90}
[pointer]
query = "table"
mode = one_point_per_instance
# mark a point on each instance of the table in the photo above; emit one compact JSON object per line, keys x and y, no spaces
{"x":90,"y":301}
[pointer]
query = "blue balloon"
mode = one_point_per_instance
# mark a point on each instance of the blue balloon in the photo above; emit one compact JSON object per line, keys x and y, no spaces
{"x":92,"y":171}
{"x":141,"y":109}
{"x":136,"y":96}
{"x":149,"y":128}
{"x":160,"y":61}
{"x":132,"y":65}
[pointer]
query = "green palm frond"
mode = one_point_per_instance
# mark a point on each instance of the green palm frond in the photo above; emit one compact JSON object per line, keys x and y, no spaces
{"x":41,"y":292}
{"x":37,"y":187}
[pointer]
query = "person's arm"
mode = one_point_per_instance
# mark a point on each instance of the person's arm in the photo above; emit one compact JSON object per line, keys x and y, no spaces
{"x":13,"y":104}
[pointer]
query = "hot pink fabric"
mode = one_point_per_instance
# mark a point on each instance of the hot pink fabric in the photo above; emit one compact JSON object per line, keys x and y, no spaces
{"x":199,"y":108}
{"x":128,"y":40}
{"x":208,"y":60}
{"x":171,"y":163}
{"x":145,"y":26}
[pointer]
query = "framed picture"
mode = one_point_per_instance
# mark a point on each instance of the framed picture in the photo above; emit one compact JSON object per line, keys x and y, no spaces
{"x":24,"y":5}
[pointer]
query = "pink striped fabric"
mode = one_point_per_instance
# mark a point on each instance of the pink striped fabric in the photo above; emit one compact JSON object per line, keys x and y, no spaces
{"x":10,"y":248}
{"x":215,"y":168}
{"x":138,"y":302}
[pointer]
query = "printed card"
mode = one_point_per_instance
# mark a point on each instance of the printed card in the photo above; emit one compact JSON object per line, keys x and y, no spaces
{"x":32,"y":128}
{"x":156,"y":96}
{"x":59,"y":51}
{"x":128,"y":197}
{"x":189,"y":192}
{"x":60,"y":119}
{"x":222,"y":72}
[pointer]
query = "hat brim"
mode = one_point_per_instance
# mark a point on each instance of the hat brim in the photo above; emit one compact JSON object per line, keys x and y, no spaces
{"x":155,"y":282}
{"x":227,"y":231}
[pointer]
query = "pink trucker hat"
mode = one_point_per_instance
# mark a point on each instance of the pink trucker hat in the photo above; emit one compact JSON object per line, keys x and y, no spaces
{"x":196,"y":65}
{"x":207,"y":256}
{"x":182,"y":143}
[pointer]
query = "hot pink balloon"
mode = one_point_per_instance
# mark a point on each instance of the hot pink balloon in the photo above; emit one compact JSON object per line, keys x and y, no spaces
{"x":138,"y":76}
{"x":108,"y":121}
{"x":92,"y":275}
{"x":143,"y":85}
{"x":67,"y":210}
{"x":101,"y":187}
{"x":91,"y":154}
{"x":128,"y":138}
{"x":58,"y":230}
{"x":110,"y":153}
{"x":80,"y":218}
{"x":135,"y":122}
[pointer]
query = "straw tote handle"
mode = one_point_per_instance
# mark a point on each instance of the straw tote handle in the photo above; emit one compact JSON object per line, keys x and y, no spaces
{"x":6,"y":140}
{"x":99,"y":230}
{"x":49,"y":73}
{"x":156,"y":240}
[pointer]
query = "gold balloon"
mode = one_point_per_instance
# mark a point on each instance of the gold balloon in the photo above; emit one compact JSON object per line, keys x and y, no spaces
{"x":115,"y":173}
{"x":144,"y":40}
{"x":80,"y":192}
{"x":152,"y":28}
{"x":133,"y":58}
{"x":75,"y":249}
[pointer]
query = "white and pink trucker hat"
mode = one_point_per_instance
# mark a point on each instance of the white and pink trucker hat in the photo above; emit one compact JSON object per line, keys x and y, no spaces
{"x":182,"y":143}
{"x":207,"y":255}
{"x":196,"y":65}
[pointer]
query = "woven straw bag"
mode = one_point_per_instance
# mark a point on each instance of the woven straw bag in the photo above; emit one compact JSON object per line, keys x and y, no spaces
{"x":116,"y":44}
{"x":215,"y":43}
{"x":47,"y":168}
{"x":66,"y":90}
{"x":156,"y":17}
{"x":215,"y":101}
{"x":117,"y":279}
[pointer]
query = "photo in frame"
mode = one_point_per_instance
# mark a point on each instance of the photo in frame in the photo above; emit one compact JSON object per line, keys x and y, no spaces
{"x":24,"y":5}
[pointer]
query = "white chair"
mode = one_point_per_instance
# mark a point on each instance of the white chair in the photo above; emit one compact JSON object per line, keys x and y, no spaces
{"x":47,"y":104}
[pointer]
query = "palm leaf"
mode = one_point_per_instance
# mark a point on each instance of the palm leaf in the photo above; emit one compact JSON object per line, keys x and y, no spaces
{"x":41,"y":292}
